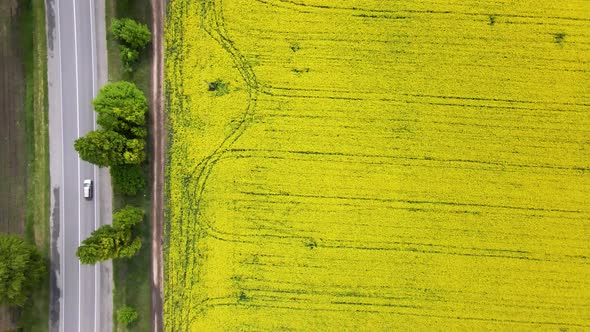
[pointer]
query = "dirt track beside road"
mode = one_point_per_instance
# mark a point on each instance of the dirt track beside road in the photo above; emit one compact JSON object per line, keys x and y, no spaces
{"x":158,"y":143}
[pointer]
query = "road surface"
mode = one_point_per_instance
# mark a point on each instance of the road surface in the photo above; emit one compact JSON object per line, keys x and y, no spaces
{"x":80,"y":294}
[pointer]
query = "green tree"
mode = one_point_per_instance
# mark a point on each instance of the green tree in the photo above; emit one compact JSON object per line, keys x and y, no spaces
{"x":131,"y":249}
{"x":126,"y":315}
{"x":139,"y":132}
{"x":108,"y":148}
{"x":113,"y":241}
{"x":128,"y":217}
{"x":122,"y":107}
{"x":129,"y":57}
{"x":101,"y":147}
{"x":104,"y":243}
{"x":134,"y":151}
{"x":127,"y":179}
{"x":21,"y":269}
{"x":130,"y":32}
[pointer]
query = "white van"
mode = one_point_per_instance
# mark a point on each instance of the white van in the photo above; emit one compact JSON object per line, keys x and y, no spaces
{"x":88,"y":189}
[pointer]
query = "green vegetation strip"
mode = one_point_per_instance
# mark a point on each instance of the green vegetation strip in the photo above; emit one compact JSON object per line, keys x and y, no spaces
{"x":35,"y":315}
{"x":131,"y":276}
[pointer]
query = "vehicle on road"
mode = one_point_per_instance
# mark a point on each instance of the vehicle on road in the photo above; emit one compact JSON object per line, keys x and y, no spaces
{"x":87,"y":189}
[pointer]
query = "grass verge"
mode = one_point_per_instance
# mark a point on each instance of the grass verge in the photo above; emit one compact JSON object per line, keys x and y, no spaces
{"x":132,"y":276}
{"x":35,"y":315}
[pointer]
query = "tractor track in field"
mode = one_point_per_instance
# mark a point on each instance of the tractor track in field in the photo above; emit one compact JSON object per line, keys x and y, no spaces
{"x":213,"y":25}
{"x":256,"y":226}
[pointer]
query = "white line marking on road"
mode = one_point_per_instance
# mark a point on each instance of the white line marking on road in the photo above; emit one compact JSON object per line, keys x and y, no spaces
{"x":94,"y":168}
{"x":78,"y":134}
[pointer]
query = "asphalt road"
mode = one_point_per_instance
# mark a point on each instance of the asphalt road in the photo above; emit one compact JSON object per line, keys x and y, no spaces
{"x":81,"y":294}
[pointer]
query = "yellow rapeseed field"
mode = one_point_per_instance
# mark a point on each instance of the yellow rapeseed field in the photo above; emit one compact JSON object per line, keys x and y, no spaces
{"x":378,"y":165}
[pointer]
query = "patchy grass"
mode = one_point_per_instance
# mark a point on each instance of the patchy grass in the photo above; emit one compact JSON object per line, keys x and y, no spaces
{"x":132,"y":276}
{"x":138,"y":10}
{"x":37,"y":134}
{"x":35,"y":315}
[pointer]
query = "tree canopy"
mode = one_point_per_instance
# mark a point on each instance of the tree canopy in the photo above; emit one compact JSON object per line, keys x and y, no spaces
{"x":122,"y":107}
{"x":21,"y":269}
{"x":104,"y":243}
{"x":113,"y":241}
{"x":101,"y":147}
{"x":108,"y":242}
{"x":127,"y":179}
{"x":129,"y":57}
{"x":126,"y":315}
{"x":130,"y":32}
{"x":134,"y":152}
{"x":127,"y":217}
{"x":107,"y":148}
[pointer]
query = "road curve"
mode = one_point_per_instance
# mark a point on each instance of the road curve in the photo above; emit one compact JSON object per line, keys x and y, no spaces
{"x":76,"y":70}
